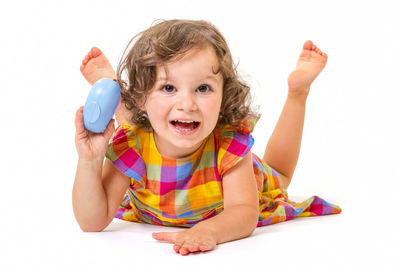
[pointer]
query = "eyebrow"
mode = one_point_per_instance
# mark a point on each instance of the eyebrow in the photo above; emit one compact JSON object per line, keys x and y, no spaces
{"x":208,"y":77}
{"x":212,"y":77}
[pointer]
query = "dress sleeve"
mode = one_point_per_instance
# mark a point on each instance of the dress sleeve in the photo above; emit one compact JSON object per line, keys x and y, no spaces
{"x":235,"y":143}
{"x":123,"y":152}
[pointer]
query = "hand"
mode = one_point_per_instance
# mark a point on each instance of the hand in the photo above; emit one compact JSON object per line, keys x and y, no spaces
{"x":191,"y":240}
{"x":91,"y":146}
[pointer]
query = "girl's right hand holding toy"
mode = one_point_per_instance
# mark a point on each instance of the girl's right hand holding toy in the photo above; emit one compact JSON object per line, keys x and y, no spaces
{"x":98,"y":188}
{"x":91,"y":146}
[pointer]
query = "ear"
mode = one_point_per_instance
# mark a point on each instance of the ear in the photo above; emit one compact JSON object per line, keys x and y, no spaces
{"x":141,"y":104}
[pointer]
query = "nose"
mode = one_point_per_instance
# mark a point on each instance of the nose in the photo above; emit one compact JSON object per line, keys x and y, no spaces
{"x":186,"y":101}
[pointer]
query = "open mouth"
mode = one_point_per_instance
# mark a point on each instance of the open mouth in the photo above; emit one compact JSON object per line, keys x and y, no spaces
{"x":185,"y":126}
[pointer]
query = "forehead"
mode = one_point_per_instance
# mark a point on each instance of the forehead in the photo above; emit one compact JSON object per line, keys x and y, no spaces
{"x":198,"y":61}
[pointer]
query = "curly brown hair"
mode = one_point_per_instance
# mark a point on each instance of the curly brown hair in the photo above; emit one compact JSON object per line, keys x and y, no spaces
{"x":170,"y":40}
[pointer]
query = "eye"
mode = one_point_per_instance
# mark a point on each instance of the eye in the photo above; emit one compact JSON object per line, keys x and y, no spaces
{"x":168,"y":88}
{"x":203,"y":88}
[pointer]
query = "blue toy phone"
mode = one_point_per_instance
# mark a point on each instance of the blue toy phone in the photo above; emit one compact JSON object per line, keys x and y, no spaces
{"x":101,"y":104}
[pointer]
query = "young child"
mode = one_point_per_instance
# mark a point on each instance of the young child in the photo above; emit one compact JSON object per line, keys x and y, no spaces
{"x":180,"y":155}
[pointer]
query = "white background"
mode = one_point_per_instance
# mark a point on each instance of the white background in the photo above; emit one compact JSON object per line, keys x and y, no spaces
{"x":350,"y":149}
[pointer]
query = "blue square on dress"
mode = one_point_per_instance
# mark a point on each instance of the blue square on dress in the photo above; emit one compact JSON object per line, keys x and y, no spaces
{"x":133,"y":174}
{"x":186,"y":214}
{"x":183,"y":171}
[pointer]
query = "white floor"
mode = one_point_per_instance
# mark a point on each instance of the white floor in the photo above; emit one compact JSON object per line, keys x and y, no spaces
{"x":350,"y":152}
{"x":352,"y":238}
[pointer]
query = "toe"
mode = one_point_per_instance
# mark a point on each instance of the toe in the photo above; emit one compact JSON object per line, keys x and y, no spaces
{"x":85,"y":60}
{"x":95,"y":52}
{"x":308,"y":45}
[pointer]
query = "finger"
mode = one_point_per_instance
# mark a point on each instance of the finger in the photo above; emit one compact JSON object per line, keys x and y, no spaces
{"x":190,"y":245}
{"x":206,"y":247}
{"x":79,"y":120}
{"x":177,"y":248}
{"x":203,"y":248}
{"x":165,"y":236}
{"x":193,"y":247}
{"x":185,"y":248}
{"x":110,"y":129}
{"x":184,"y":251}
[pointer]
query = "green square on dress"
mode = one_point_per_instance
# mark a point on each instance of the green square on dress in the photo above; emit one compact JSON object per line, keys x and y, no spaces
{"x":153,"y":172}
{"x":207,"y":160}
{"x":182,"y":203}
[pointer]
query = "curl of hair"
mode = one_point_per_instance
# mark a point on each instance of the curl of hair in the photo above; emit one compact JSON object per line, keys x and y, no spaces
{"x":169,"y":41}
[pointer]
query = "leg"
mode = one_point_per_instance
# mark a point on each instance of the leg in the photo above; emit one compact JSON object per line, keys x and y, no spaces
{"x":283,"y":148}
{"x":95,"y":66}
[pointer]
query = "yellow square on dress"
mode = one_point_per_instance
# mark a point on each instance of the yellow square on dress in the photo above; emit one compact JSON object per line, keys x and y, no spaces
{"x":196,"y":197}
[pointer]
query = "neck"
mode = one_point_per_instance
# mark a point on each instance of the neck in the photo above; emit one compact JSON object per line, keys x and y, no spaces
{"x":167,"y":150}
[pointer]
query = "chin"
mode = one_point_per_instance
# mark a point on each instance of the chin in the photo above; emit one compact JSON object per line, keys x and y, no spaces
{"x":186,"y":144}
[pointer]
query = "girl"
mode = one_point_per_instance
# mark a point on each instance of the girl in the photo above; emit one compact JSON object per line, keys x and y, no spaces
{"x":180,"y":155}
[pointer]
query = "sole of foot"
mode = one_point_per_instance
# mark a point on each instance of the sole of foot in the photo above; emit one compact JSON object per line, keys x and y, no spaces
{"x":95,"y":66}
{"x":311,"y":62}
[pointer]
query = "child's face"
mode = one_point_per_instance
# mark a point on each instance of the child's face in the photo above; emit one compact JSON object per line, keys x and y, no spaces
{"x":185,"y":102}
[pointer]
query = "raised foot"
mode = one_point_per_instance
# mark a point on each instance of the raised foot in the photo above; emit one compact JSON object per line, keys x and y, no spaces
{"x":311,"y":62}
{"x":95,"y":66}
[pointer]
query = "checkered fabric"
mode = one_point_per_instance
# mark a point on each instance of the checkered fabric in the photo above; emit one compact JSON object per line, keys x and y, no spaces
{"x":183,"y":192}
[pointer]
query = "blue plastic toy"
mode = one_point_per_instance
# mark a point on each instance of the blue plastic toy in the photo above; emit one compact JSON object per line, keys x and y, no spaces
{"x":100,"y":105}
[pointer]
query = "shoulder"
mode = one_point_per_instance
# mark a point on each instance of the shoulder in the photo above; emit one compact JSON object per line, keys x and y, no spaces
{"x":124,"y":150}
{"x":234,"y":142}
{"x":127,"y":131}
{"x":243,"y":128}
{"x":127,"y":136}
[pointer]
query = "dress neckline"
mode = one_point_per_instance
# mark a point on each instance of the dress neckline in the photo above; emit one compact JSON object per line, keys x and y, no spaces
{"x":190,"y":158}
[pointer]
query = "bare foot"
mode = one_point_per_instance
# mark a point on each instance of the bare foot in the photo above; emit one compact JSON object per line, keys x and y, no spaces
{"x":95,"y":66}
{"x":311,"y":62}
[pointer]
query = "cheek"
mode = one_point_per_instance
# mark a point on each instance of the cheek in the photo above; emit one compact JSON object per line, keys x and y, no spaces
{"x":156,"y":107}
{"x":212,"y":108}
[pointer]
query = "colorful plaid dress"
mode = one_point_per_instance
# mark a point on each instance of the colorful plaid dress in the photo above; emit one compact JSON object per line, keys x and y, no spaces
{"x":183,"y":192}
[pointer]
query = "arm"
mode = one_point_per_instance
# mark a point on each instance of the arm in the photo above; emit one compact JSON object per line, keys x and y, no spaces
{"x":97,"y":194}
{"x":238,"y":220}
{"x":97,"y":190}
{"x":240,"y":215}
